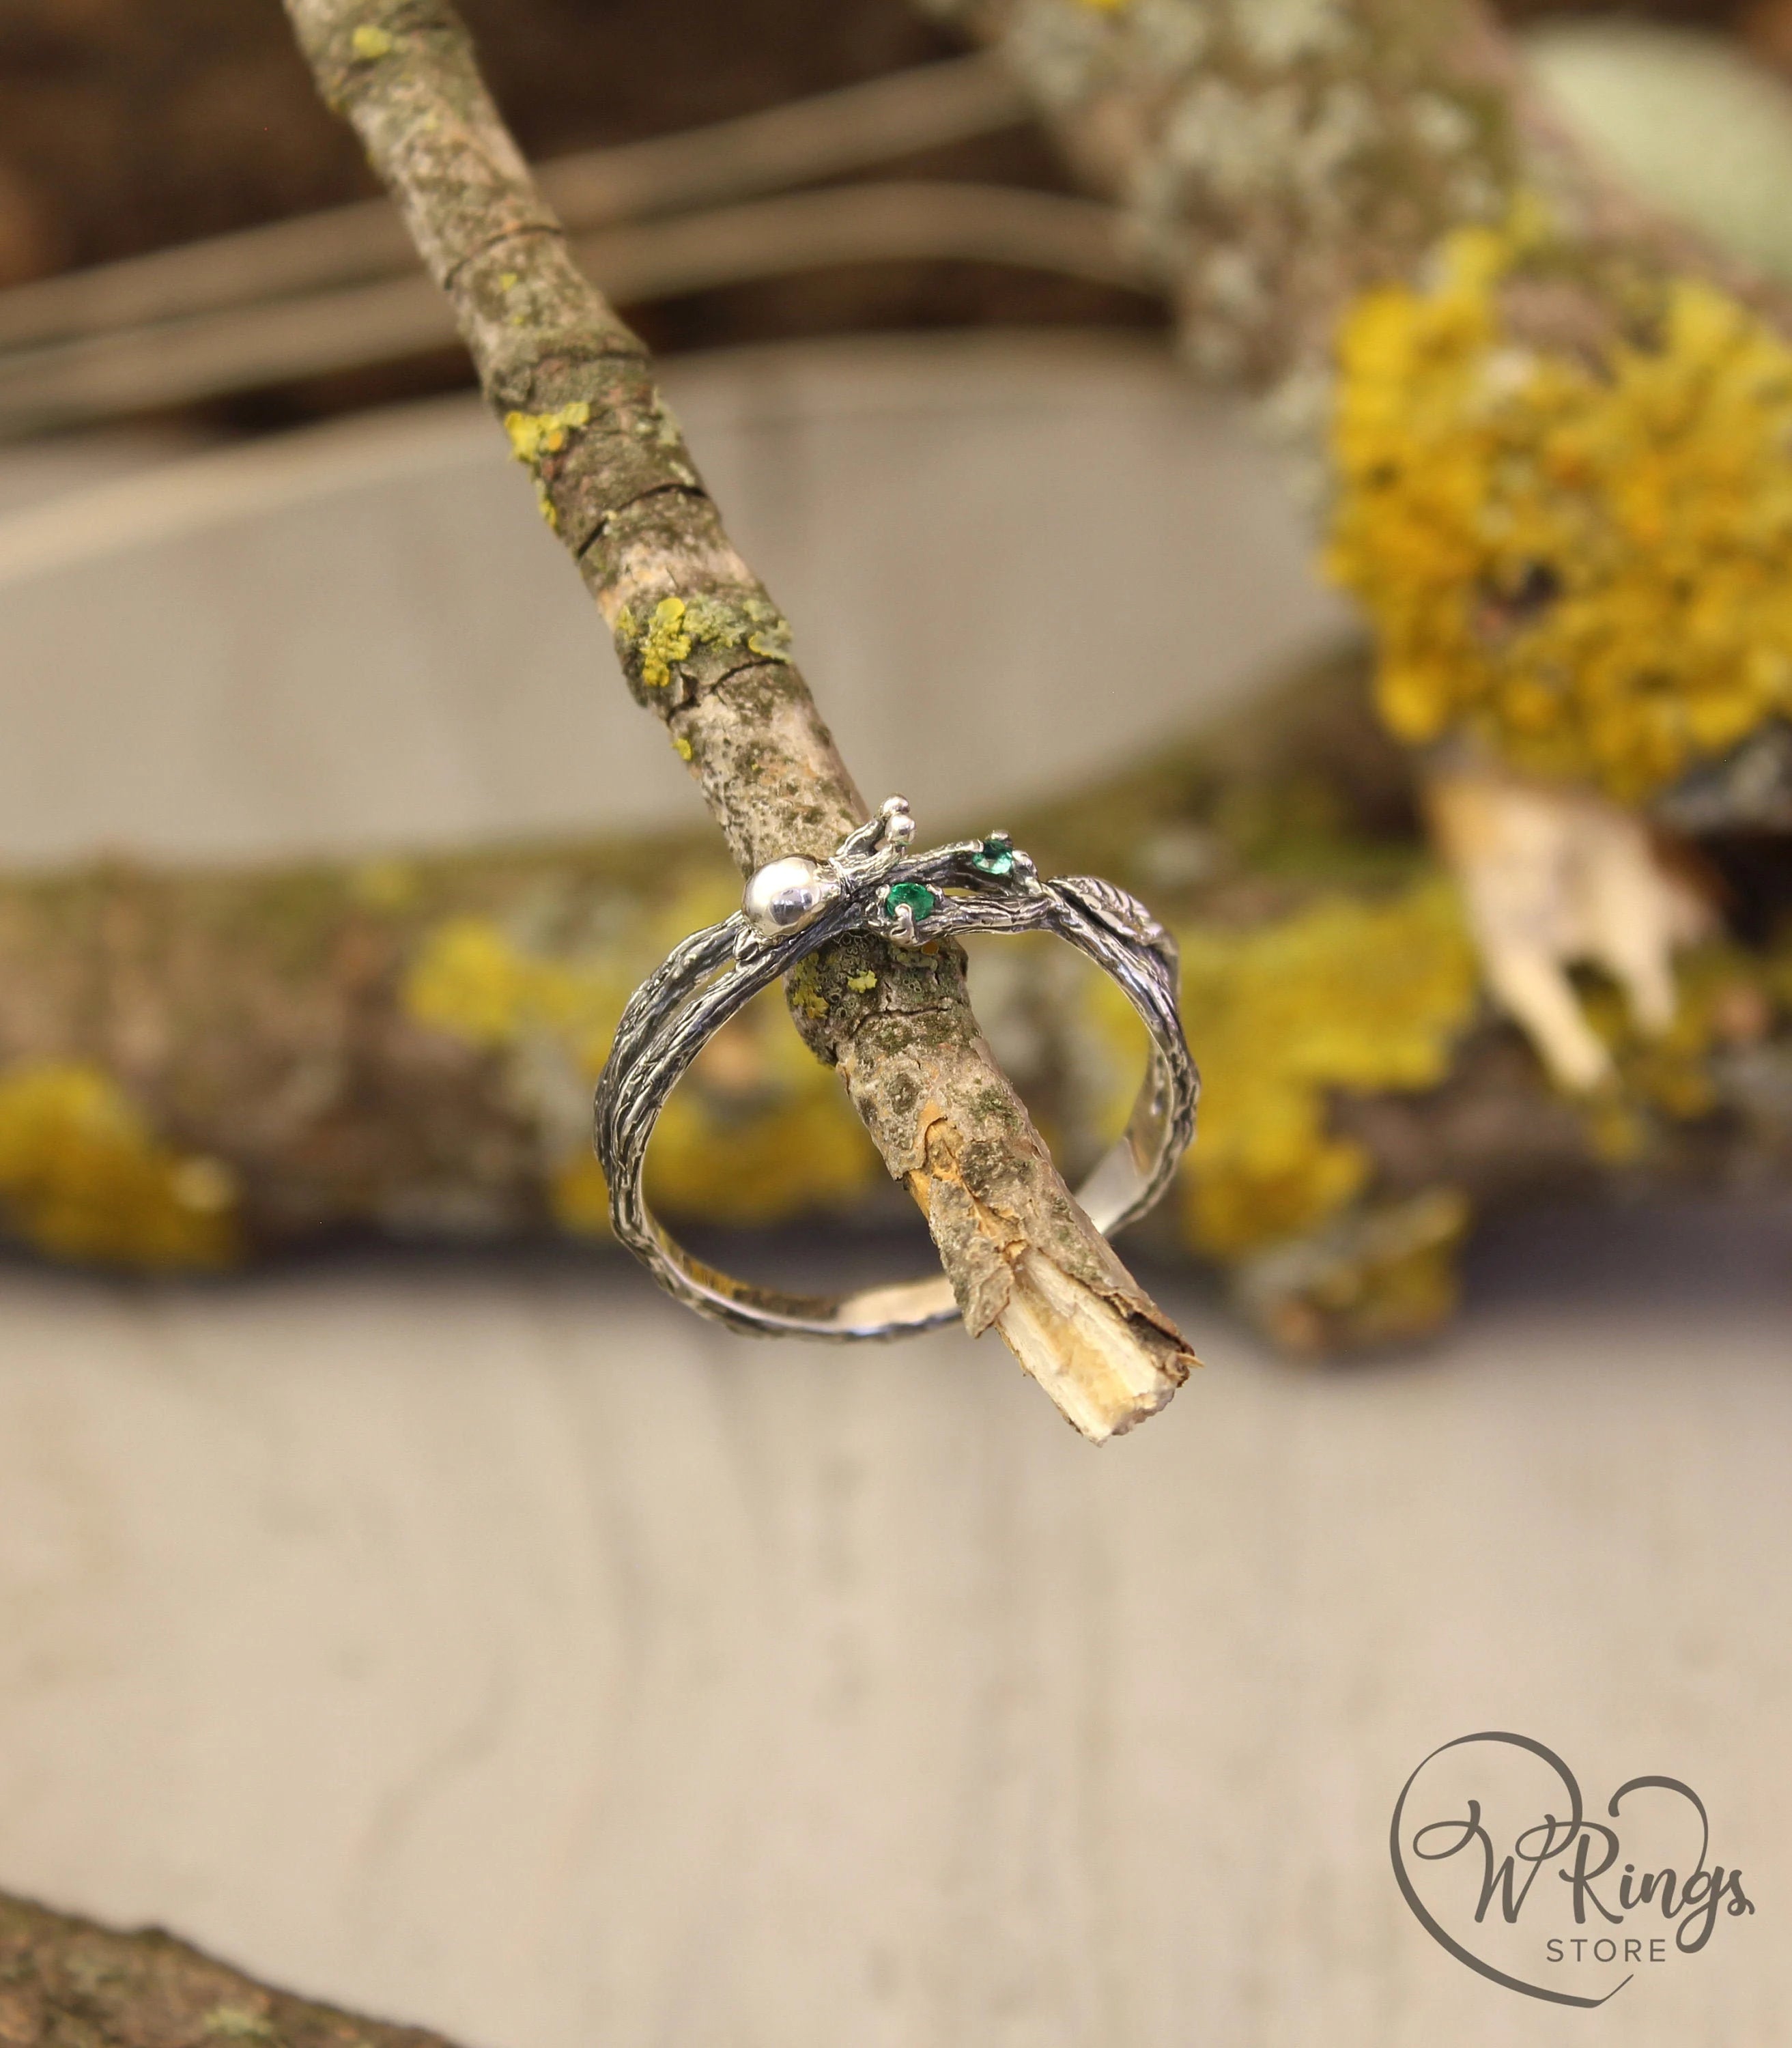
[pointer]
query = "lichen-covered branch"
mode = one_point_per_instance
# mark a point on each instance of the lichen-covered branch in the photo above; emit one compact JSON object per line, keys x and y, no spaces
{"x":202,"y":1067}
{"x":703,"y":646}
{"x":64,"y":1981}
{"x":1553,"y":427}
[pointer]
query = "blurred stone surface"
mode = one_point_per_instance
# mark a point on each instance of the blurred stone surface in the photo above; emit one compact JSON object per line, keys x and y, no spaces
{"x":504,"y":1649}
{"x":1690,"y":120}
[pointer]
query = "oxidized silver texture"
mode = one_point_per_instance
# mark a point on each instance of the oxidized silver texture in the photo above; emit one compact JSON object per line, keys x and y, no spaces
{"x":709,"y":977}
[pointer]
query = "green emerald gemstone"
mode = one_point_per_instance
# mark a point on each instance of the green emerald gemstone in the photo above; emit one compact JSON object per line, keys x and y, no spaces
{"x":997,"y":856}
{"x":918,"y":897}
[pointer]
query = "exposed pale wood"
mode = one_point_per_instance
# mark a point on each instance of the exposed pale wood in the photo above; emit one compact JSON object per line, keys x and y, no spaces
{"x":1553,"y":878}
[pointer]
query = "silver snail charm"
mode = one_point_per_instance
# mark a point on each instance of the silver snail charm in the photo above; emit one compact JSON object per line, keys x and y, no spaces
{"x":784,"y":895}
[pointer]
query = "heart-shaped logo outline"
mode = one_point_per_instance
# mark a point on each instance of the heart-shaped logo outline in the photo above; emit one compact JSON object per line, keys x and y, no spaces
{"x":1574,"y":1823}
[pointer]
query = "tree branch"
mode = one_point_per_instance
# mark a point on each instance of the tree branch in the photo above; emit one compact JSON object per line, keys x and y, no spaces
{"x":702,"y":646}
{"x":203,"y":1067}
{"x":63,"y":1980}
{"x":1370,"y":211}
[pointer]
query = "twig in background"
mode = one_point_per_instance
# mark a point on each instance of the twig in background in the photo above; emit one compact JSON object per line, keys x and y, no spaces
{"x":834,"y":133}
{"x":249,"y":346}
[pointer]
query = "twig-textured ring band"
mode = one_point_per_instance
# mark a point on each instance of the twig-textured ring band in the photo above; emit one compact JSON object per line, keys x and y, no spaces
{"x":873,"y":883}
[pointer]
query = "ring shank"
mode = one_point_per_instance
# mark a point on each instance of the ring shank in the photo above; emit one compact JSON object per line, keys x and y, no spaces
{"x":675,"y":1013}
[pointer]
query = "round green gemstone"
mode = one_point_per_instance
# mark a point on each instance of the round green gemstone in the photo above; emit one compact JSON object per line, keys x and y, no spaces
{"x":918,"y":897}
{"x":997,"y":856}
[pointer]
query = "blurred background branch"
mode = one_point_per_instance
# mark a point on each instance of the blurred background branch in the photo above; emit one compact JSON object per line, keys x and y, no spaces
{"x":59,"y":1973}
{"x":857,"y":127}
{"x":183,"y":358}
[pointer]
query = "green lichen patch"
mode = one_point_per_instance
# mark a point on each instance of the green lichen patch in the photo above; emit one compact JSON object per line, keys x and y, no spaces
{"x":238,"y":2023}
{"x":1381,"y":1274}
{"x":752,"y":622}
{"x":805,"y":992}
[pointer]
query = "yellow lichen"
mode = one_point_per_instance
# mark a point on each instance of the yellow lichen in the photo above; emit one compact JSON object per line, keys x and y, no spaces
{"x":664,"y":642}
{"x":760,"y":1130}
{"x":1343,"y":994}
{"x":1581,"y":561}
{"x":579,"y":1195}
{"x":533,"y":435}
{"x":83,"y":1177}
{"x":238,"y":2023}
{"x":370,"y":43}
{"x":679,"y":625}
{"x":805,"y":992}
{"x":681,"y":746}
{"x":471,"y":981}
{"x":862,"y":984}
{"x":1668,"y":1073}
{"x":385,"y":885}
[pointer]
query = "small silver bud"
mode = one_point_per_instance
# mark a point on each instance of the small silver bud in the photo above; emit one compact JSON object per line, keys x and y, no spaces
{"x":784,"y":895}
{"x":898,"y":825}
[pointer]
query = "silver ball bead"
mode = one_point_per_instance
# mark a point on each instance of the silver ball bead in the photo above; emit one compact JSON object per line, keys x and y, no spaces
{"x":784,"y":895}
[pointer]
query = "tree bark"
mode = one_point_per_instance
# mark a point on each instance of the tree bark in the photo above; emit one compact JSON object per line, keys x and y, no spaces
{"x":63,"y":1980}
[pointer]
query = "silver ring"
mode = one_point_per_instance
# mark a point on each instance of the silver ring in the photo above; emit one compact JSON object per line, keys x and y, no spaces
{"x":874,"y":884}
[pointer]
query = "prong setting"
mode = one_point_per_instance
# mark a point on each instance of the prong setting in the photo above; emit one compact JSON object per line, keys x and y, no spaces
{"x":874,"y":864}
